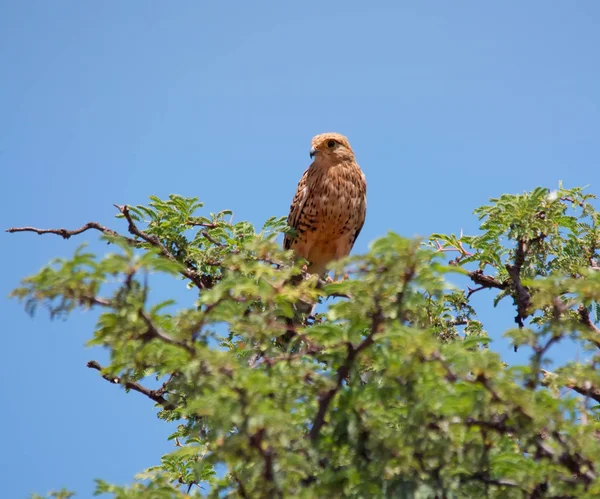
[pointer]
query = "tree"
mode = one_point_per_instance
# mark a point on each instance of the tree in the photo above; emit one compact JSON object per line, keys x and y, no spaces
{"x":391,"y":391}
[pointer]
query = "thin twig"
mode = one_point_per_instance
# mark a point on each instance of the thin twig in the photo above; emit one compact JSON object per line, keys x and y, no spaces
{"x":136,"y":387}
{"x":212,"y":239}
{"x":90,"y":300}
{"x":202,"y":224}
{"x":536,"y":361}
{"x":473,"y":290}
{"x":572,"y":201}
{"x":66,"y":234}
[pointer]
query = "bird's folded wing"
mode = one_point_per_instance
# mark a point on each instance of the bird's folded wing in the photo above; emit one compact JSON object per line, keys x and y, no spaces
{"x":296,"y":209}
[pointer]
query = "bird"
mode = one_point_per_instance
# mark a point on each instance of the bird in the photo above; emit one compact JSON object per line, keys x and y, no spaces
{"x":329,"y":208}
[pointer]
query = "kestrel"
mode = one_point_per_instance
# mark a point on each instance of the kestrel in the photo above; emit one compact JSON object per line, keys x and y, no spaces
{"x":329,"y":208}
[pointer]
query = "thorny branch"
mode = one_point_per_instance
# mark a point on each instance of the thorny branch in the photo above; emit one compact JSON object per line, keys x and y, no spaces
{"x":66,"y":234}
{"x":460,"y":248}
{"x":155,"y":395}
{"x":477,"y":276}
{"x":521,"y":294}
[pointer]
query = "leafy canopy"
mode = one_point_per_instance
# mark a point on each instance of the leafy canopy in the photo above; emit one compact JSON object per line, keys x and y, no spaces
{"x":391,"y":391}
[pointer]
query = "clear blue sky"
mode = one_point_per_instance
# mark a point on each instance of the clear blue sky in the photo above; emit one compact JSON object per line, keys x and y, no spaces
{"x":445,"y":103}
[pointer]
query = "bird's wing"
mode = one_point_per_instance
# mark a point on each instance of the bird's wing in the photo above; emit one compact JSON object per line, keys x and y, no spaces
{"x":296,"y":209}
{"x":362,"y":213}
{"x":358,"y":229}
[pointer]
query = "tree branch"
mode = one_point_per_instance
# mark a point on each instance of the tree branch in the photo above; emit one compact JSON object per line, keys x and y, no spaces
{"x":587,"y":389}
{"x":90,"y":300}
{"x":521,"y":293}
{"x":344,"y":370}
{"x":577,"y":464}
{"x":536,"y":361}
{"x":342,"y":373}
{"x":573,"y":461}
{"x":156,"y":332}
{"x":241,"y":488}
{"x":212,"y":239}
{"x":586,"y":320}
{"x":155,"y":395}
{"x":192,"y":275}
{"x":498,"y":482}
{"x":66,"y":234}
{"x":154,"y":241}
{"x":486,"y":281}
{"x":266,"y":452}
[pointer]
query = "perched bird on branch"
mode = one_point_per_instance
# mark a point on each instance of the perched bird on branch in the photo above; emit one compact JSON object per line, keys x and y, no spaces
{"x":329,"y":208}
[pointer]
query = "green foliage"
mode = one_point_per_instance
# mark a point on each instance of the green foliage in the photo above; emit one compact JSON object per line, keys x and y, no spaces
{"x":392,"y":391}
{"x":60,"y":494}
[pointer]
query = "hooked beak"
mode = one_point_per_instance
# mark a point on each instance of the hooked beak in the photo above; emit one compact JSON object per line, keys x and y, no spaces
{"x":313,"y":151}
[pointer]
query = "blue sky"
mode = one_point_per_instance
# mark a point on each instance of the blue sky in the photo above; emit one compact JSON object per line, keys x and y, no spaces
{"x":445,"y":103}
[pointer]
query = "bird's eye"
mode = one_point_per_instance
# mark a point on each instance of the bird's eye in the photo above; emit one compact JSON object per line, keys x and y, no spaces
{"x":331,"y":143}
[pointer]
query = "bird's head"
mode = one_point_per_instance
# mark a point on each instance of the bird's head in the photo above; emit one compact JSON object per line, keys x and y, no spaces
{"x":331,"y":148}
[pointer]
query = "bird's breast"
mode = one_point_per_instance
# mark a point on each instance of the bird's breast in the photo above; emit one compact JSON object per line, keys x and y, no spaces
{"x":335,"y":199}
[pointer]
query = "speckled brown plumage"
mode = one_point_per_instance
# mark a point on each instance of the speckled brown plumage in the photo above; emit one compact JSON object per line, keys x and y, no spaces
{"x":329,"y":208}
